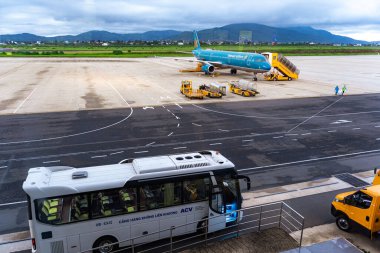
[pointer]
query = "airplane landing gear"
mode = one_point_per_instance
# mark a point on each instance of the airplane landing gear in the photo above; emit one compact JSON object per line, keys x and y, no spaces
{"x":254,"y":77}
{"x":233,"y":71}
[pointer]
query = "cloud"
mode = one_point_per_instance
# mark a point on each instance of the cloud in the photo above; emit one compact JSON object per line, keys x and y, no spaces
{"x":45,"y":17}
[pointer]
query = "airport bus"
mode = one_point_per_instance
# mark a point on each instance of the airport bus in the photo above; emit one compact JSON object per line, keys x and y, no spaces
{"x":102,"y":208}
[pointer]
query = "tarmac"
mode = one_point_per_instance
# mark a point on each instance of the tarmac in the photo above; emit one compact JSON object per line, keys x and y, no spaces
{"x":31,"y":85}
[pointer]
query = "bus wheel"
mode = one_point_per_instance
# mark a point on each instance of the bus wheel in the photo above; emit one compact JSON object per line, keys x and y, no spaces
{"x":105,"y":244}
{"x":343,"y":223}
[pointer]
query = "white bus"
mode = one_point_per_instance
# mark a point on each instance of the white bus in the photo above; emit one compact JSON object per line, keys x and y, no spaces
{"x":78,"y":209}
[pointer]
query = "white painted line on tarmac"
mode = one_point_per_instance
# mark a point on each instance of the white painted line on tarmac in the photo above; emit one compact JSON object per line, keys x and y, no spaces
{"x":148,"y":107}
{"x":56,"y":161}
{"x":332,"y":131}
{"x":341,"y":121}
{"x":378,"y":139}
{"x":13,"y":203}
{"x":3,"y":167}
{"x":180,"y":148}
{"x":178,"y":105}
{"x":294,"y":139}
{"x":223,"y":130}
{"x":163,"y":107}
{"x":314,"y":159}
{"x":115,"y":153}
{"x":168,"y":110}
{"x":306,"y":134}
{"x":246,"y":140}
{"x":356,"y":128}
{"x":247,"y":145}
{"x":22,"y":103}
{"x":140,"y":152}
{"x":170,"y":134}
{"x":315,"y":114}
{"x":98,"y":156}
{"x":291,"y":134}
{"x":195,"y":124}
{"x":214,"y":144}
{"x":149,"y":144}
{"x":377,"y":126}
{"x":178,"y":125}
{"x":277,"y":137}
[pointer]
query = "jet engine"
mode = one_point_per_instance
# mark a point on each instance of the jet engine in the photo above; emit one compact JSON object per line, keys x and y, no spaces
{"x":208,"y":69}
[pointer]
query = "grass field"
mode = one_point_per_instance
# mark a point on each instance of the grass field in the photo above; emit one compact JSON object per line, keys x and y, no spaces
{"x":178,"y":51}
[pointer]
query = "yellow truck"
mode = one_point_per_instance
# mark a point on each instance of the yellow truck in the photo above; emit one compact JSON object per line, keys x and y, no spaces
{"x":361,"y":207}
{"x":188,"y":91}
{"x":243,"y":88}
{"x":282,"y":68}
{"x":208,"y":91}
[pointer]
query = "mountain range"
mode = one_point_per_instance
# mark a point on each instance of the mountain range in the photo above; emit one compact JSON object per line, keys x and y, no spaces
{"x":256,"y":33}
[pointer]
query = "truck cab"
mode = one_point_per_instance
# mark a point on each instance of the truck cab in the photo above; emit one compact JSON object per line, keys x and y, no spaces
{"x":361,"y":207}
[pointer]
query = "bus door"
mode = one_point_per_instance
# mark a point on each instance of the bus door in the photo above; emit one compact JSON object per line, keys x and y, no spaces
{"x":217,"y":219}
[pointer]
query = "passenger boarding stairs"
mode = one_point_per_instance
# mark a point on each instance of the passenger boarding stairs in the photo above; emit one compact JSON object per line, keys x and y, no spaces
{"x":282,"y":65}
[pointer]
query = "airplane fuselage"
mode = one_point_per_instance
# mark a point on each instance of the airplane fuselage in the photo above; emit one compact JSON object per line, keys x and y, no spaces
{"x":250,"y":62}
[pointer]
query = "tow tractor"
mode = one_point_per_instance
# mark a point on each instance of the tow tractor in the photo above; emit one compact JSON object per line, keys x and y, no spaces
{"x":243,"y":88}
{"x":188,"y":91}
{"x":208,"y":91}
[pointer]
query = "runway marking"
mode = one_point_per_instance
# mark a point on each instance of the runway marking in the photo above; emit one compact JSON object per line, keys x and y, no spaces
{"x":55,"y":161}
{"x":294,"y":139}
{"x":306,"y":134}
{"x":22,"y":103}
{"x":178,"y":105}
{"x":170,"y":134}
{"x":377,"y":126}
{"x":178,"y":125}
{"x":378,"y":139}
{"x":246,"y":140}
{"x":115,"y":153}
{"x":148,"y":107}
{"x":313,"y":159}
{"x":98,"y":156}
{"x":332,"y":131}
{"x":77,"y":134}
{"x":195,"y":124}
{"x":13,"y":203}
{"x":246,"y":145}
{"x":356,"y":128}
{"x":163,"y":107}
{"x":214,"y":144}
{"x":223,"y":130}
{"x":149,"y":144}
{"x":3,"y":167}
{"x":277,"y":137}
{"x":180,"y":148}
{"x":315,"y":114}
{"x":140,"y":152}
{"x":168,"y":110}
{"x":291,"y":134}
{"x":341,"y":121}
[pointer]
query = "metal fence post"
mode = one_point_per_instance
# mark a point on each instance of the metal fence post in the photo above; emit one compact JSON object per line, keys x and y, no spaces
{"x":238,"y":223}
{"x":279,"y":222}
{"x":261,"y":210}
{"x":303,"y":224}
{"x":171,"y":238}
{"x":133,"y":246}
{"x":206,"y":230}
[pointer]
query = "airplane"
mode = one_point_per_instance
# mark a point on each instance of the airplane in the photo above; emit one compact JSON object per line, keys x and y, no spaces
{"x":211,"y":59}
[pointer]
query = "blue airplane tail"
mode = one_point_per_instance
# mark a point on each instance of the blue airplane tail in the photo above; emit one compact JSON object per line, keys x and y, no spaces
{"x":197,"y":45}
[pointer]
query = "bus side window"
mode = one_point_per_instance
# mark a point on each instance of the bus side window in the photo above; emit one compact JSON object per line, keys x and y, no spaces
{"x":154,"y":196}
{"x":128,"y":200}
{"x":49,"y":210}
{"x":196,"y":190}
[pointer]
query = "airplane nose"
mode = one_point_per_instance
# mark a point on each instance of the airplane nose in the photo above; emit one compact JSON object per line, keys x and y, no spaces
{"x":267,"y":66}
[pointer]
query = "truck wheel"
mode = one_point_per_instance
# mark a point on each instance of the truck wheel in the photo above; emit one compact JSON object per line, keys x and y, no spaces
{"x":105,"y":244}
{"x":275,"y":79}
{"x":289,"y":78}
{"x":343,"y":223}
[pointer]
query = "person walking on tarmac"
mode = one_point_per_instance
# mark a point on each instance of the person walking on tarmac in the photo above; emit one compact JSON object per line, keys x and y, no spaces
{"x":344,"y":89}
{"x":336,"y":90}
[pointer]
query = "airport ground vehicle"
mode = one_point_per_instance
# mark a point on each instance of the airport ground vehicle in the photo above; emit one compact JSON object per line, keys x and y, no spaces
{"x":282,"y":68}
{"x":244,"y":88}
{"x":188,"y":91}
{"x":361,"y":207}
{"x":104,"y":207}
{"x":210,"y":92}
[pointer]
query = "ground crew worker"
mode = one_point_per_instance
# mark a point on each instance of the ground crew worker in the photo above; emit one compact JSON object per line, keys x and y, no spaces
{"x":336,"y":90}
{"x":344,"y":89}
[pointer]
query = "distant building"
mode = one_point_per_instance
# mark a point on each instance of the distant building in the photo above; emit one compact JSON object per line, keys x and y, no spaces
{"x":180,"y":44}
{"x":105,"y":44}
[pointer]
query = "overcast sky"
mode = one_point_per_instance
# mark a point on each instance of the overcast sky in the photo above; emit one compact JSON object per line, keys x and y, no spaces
{"x":353,"y":18}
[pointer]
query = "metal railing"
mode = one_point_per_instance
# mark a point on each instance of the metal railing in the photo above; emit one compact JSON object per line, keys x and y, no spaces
{"x":255,"y":219}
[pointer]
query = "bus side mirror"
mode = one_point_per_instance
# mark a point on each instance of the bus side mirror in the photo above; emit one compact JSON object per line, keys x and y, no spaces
{"x":246,"y":179}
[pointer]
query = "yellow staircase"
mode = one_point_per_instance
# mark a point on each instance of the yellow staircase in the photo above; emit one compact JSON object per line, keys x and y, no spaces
{"x":282,"y":65}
